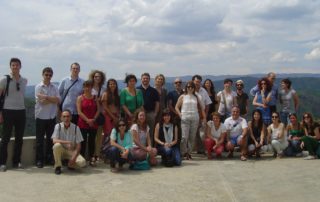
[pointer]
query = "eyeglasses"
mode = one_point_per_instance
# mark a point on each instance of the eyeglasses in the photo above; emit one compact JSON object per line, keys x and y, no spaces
{"x":274,"y":117}
{"x":239,"y":85}
{"x":18,"y":86}
{"x":48,"y":75}
{"x":177,"y":82}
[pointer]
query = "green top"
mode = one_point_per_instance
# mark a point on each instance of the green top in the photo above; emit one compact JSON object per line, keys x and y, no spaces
{"x":126,"y":142}
{"x":296,"y":132}
{"x":131,"y":102}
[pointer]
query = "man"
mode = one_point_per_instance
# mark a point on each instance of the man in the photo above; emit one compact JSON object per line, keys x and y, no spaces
{"x":172,"y":98}
{"x":13,"y":114}
{"x":205,"y":101}
{"x":70,"y":88}
{"x":151,"y":101}
{"x":47,"y":97}
{"x":242,"y":99}
{"x":274,"y":91}
{"x":237,"y":129}
{"x":67,"y":140}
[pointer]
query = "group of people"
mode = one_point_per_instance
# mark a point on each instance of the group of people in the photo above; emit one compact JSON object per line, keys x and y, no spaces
{"x":142,"y":121}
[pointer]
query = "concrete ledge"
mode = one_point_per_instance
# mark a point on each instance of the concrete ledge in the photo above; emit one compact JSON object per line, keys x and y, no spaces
{"x":28,"y":155}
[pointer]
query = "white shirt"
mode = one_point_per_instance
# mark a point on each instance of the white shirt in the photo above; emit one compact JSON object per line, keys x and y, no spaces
{"x":235,"y":126}
{"x":203,"y":97}
{"x":229,"y":102}
{"x":216,"y":133}
{"x":48,"y":111}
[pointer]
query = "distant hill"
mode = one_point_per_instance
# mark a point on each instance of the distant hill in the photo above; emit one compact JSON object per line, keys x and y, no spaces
{"x":306,"y":85}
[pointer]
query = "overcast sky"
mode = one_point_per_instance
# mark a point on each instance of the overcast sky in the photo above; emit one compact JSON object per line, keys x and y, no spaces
{"x":173,"y":37}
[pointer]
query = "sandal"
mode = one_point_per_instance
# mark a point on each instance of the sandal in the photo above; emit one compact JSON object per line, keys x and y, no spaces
{"x":93,"y":162}
{"x":243,"y":158}
{"x":114,"y":170}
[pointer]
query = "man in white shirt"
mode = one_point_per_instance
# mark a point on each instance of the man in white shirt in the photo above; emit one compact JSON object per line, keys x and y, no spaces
{"x":237,"y":129}
{"x":67,"y":140}
{"x":47,"y":97}
{"x":205,"y":101}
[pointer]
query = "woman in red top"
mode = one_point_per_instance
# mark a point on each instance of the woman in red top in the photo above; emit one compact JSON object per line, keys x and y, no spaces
{"x":88,"y":110}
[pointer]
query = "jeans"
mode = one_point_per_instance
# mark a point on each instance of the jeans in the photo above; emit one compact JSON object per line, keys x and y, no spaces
{"x":115,"y":157}
{"x":189,"y":126}
{"x":284,"y":117}
{"x":44,"y":128}
{"x":16,"y":119}
{"x":294,"y":148}
{"x":170,"y":153}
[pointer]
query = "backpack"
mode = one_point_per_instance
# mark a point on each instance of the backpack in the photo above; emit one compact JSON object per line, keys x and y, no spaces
{"x":5,"y":93}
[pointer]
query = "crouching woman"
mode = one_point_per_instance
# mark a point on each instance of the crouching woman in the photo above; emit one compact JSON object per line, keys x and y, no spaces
{"x":166,"y":137}
{"x":121,"y":143}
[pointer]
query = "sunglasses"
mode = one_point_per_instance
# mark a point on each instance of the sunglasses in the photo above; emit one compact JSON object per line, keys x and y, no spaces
{"x":178,"y":82}
{"x":274,"y":116}
{"x":239,"y":85}
{"x":65,"y":116}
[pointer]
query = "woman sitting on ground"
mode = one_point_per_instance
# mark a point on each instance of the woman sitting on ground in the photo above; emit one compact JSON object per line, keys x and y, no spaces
{"x":277,"y":135}
{"x":166,"y":137}
{"x":216,"y":136}
{"x":295,"y":133}
{"x":121,"y":144}
{"x":257,"y":130}
{"x":141,"y":139}
{"x":310,"y":141}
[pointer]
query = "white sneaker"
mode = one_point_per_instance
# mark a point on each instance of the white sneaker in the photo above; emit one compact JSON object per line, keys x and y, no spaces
{"x":309,"y":157}
{"x":3,"y":168}
{"x":305,"y":153}
{"x":299,"y":154}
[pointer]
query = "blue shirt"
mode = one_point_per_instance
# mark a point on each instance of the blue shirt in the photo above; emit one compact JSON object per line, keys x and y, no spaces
{"x":274,"y":94}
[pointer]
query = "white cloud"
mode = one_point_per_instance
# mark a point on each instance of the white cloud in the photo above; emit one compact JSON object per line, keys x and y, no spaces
{"x":313,"y":55}
{"x":282,"y":57}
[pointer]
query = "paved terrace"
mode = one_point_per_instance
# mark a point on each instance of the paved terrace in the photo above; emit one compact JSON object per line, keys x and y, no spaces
{"x":269,"y":179}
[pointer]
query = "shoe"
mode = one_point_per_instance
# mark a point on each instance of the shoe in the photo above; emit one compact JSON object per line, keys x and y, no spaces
{"x":230,"y":155}
{"x":299,"y":154}
{"x":18,"y":166}
{"x":92,"y":162}
{"x":309,"y":157}
{"x":57,"y":171}
{"x":39,"y":164}
{"x":3,"y":168}
{"x":305,"y":153}
{"x":243,"y":158}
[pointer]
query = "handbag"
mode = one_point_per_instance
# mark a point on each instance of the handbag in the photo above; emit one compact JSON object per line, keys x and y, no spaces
{"x":141,"y":165}
{"x":100,"y":120}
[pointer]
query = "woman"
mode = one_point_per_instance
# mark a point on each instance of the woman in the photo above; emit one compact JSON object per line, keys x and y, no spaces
{"x":295,"y":133}
{"x":159,"y":86}
{"x":166,"y":138}
{"x":141,"y":139}
{"x":98,"y":78}
{"x":262,"y":98}
{"x":310,"y":141}
{"x":227,"y":98}
{"x":216,"y":136}
{"x":190,"y":113}
{"x":209,"y":86}
{"x":131,"y":98}
{"x":288,"y":99}
{"x":256,"y":133}
{"x":111,"y":106}
{"x":88,"y":109}
{"x":121,"y":144}
{"x":277,"y":135}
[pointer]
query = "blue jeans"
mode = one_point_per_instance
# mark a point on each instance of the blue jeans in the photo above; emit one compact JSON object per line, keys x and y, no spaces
{"x":171,"y":152}
{"x":115,"y":157}
{"x":284,"y":117}
{"x":294,"y":148}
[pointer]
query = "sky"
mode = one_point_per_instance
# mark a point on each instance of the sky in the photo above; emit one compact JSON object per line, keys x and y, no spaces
{"x":172,"y":37}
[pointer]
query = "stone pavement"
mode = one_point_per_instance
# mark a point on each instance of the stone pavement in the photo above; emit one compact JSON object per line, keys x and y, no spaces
{"x":269,"y":179}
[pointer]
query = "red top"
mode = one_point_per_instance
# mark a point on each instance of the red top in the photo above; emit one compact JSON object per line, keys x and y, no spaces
{"x":88,"y":108}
